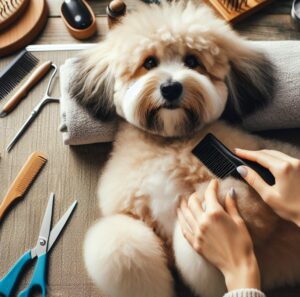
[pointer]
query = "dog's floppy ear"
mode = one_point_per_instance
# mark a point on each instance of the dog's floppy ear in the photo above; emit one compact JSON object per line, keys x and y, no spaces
{"x":250,"y":84}
{"x":93,"y":85}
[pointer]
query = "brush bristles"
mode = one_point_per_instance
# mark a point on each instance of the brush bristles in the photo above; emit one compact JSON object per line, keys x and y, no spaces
{"x":214,"y":159}
{"x":29,"y":174}
{"x":234,"y":4}
{"x":16,"y":72}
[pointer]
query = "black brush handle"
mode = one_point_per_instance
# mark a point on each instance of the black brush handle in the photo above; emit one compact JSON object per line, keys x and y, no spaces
{"x":265,"y":173}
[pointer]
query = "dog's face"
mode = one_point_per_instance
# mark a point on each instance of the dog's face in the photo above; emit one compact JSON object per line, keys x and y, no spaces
{"x":173,"y":88}
{"x":171,"y":69}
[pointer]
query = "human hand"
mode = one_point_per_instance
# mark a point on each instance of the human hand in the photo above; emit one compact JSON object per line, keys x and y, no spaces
{"x":220,"y":236}
{"x":284,"y":196}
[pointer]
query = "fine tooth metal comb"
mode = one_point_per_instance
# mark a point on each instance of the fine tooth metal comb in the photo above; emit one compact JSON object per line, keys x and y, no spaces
{"x":24,"y":179}
{"x":222,"y":162}
{"x":15,"y":72}
{"x":235,"y":10}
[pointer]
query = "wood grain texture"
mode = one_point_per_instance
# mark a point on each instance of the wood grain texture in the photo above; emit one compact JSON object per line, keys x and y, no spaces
{"x":233,"y":15}
{"x":25,"y":29}
{"x":73,"y":172}
{"x":98,"y":6}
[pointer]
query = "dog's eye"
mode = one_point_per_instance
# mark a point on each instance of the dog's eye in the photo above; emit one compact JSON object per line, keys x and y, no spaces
{"x":150,"y":62}
{"x":191,"y":61}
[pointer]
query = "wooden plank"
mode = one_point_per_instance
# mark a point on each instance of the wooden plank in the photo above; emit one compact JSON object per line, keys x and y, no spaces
{"x":56,"y":32}
{"x":99,"y":7}
{"x":260,"y":27}
{"x":71,"y":172}
{"x":271,"y":27}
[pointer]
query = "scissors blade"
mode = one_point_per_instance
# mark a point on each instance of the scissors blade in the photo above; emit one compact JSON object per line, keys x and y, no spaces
{"x":41,"y":246}
{"x":60,"y":225}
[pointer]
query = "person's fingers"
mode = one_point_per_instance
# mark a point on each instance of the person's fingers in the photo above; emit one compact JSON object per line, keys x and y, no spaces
{"x":189,"y":216}
{"x":269,"y":161}
{"x":187,"y":233}
{"x":254,"y":180}
{"x":282,"y":156}
{"x":230,"y":206}
{"x":211,"y":198}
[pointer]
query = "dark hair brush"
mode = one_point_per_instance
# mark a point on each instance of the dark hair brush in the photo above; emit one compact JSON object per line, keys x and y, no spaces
{"x":222,"y":162}
{"x":14,"y":73}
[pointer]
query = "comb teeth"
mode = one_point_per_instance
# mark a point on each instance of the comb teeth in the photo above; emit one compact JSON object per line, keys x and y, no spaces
{"x":23,"y":180}
{"x":15,"y":72}
{"x":213,"y":158}
{"x":30,"y":170}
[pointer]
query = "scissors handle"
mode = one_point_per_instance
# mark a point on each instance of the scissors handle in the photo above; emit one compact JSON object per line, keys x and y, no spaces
{"x":38,"y":278}
{"x":8,"y":282}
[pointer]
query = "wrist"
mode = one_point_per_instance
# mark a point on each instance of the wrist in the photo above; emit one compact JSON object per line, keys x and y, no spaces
{"x":244,"y":275}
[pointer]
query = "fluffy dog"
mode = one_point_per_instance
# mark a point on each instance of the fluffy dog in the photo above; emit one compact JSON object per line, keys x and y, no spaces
{"x":173,"y":73}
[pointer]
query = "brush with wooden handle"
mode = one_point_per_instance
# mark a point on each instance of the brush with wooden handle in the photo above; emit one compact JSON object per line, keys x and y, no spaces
{"x":36,"y":75}
{"x":24,"y":179}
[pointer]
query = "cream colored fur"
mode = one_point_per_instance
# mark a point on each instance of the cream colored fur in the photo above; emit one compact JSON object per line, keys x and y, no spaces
{"x":128,"y":252}
{"x":131,"y":259}
{"x":150,"y":173}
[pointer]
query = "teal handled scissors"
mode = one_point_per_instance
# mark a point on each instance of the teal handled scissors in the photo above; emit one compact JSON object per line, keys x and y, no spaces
{"x":46,"y":239}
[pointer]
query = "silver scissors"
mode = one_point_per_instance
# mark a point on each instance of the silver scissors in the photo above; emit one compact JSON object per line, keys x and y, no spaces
{"x":46,"y":239}
{"x":46,"y":99}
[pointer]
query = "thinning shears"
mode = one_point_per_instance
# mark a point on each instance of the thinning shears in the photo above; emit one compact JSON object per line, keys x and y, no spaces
{"x":46,"y":239}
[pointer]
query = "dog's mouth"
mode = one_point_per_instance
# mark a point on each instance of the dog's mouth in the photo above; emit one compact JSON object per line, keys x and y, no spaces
{"x":172,"y":105}
{"x":185,"y":124}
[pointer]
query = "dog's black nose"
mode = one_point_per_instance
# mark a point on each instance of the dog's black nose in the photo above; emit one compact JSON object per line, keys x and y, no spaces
{"x":171,"y":90}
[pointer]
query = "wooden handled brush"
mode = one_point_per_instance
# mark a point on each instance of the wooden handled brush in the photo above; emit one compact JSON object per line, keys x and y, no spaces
{"x":236,"y":10}
{"x":10,"y":11}
{"x":37,"y":74}
{"x":24,"y":179}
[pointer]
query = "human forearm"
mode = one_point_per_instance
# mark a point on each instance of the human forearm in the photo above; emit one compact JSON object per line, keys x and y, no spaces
{"x":243,"y":275}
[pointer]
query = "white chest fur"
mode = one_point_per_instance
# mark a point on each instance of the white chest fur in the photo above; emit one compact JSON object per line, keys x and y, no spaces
{"x":164,"y":192}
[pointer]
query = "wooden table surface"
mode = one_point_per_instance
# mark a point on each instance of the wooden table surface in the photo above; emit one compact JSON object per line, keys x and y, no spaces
{"x":73,"y":172}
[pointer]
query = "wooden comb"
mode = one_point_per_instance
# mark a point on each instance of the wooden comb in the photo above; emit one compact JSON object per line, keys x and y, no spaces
{"x":24,"y":179}
{"x":10,"y":10}
{"x":235,"y":10}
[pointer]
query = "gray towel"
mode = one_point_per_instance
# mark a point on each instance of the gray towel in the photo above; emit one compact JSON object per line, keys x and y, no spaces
{"x":78,"y":127}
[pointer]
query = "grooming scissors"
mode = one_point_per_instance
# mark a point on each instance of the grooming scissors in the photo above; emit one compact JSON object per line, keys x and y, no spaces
{"x":46,"y":239}
{"x":35,"y":112}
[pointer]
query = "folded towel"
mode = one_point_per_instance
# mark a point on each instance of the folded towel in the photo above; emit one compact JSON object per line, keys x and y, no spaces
{"x":78,"y":127}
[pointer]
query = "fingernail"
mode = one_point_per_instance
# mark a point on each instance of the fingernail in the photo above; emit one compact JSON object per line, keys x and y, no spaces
{"x":242,"y":171}
{"x":232,"y":193}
